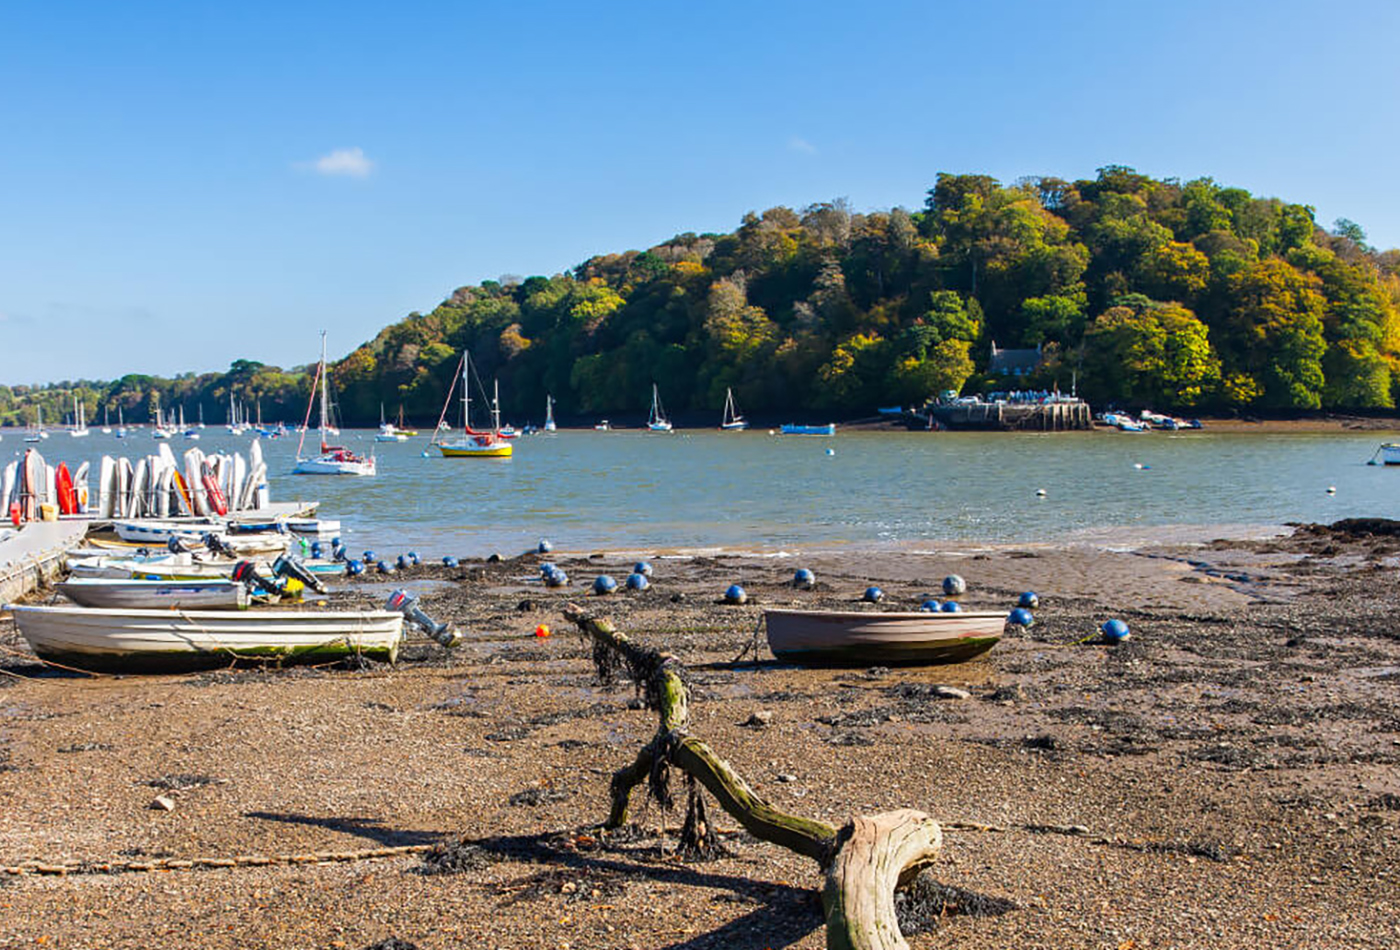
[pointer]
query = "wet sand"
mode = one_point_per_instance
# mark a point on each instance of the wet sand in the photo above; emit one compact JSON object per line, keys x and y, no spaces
{"x":1234,"y":764}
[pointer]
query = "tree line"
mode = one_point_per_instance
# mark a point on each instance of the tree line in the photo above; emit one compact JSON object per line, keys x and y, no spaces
{"x":1138,"y":291}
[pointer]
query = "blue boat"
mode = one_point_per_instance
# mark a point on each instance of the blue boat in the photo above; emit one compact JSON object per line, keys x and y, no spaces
{"x":790,"y":429}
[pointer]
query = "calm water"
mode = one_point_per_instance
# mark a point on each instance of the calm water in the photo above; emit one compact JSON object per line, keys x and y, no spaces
{"x":754,"y":492}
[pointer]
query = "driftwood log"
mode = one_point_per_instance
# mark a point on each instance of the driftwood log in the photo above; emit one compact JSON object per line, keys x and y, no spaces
{"x":865,"y":861}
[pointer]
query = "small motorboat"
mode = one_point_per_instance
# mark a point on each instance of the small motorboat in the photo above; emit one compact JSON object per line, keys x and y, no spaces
{"x":868,"y":638}
{"x":156,"y":641}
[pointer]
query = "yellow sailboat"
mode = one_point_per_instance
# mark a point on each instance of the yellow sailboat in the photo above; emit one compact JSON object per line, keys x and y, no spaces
{"x":474,"y":443}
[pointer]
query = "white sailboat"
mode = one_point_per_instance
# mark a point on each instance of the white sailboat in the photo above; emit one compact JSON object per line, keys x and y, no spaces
{"x":388,"y":432}
{"x":732,"y":421}
{"x":36,"y":433}
{"x":549,"y":425}
{"x":657,"y":421}
{"x":161,"y":431}
{"x":106,"y":425}
{"x":333,"y":460}
{"x":80,"y":428}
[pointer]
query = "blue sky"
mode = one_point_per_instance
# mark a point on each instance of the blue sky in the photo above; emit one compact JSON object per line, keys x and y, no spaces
{"x":186,"y":184}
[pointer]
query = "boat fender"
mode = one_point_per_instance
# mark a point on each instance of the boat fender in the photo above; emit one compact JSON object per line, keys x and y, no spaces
{"x":804,"y":579}
{"x":873,"y":595}
{"x":290,"y":567}
{"x":544,"y":547}
{"x":735,"y":595}
{"x":637,"y":581}
{"x":1028,"y":600}
{"x":354,"y":568}
{"x":1114,"y":631}
{"x":449,"y":561}
{"x":405,"y":603}
{"x":950,"y":607}
{"x":1021,"y":617}
{"x":603,"y":584}
{"x":931,"y":606}
{"x":643,"y":568}
{"x":953,"y":585}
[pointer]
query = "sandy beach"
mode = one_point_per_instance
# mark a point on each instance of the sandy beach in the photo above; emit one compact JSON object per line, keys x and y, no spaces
{"x":1225,"y":778}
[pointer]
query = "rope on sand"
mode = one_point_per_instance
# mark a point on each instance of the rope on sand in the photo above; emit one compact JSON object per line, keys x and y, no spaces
{"x":210,"y":863}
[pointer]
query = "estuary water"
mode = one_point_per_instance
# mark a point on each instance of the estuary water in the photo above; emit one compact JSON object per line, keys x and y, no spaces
{"x":755,"y":492}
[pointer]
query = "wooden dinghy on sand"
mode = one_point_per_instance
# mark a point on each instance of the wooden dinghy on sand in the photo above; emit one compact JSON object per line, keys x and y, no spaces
{"x":868,"y":638}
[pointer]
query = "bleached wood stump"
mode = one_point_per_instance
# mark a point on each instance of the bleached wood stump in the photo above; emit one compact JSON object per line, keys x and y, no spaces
{"x":865,"y":861}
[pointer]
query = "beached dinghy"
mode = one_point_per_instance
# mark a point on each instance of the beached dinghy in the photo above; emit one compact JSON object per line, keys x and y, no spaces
{"x":153,"y":641}
{"x":112,"y":592}
{"x":867,"y":638}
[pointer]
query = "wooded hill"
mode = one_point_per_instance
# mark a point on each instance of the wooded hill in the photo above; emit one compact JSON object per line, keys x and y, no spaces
{"x":1142,"y":291}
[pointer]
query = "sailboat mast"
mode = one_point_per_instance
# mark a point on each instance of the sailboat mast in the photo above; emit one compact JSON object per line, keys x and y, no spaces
{"x":466,"y":394}
{"x":325,"y":390}
{"x":495,"y":405}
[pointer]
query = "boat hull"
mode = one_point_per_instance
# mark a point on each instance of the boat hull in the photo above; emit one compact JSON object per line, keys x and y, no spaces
{"x":859,"y":638}
{"x":214,"y":594}
{"x":329,"y":466}
{"x":154,"y":641}
{"x":789,"y":429}
{"x":498,"y":450}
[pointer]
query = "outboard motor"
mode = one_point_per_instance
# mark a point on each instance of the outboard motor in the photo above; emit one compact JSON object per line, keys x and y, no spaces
{"x":246,"y":573}
{"x":175,"y":546}
{"x":289,"y":565}
{"x":215,"y":544}
{"x":407,"y":604}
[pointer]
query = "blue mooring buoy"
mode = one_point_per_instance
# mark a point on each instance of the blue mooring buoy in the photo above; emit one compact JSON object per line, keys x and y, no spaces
{"x":1028,"y":600}
{"x":384,"y":568}
{"x":804,"y":579}
{"x":1021,"y":617}
{"x":931,"y":606}
{"x":735,"y":595}
{"x":556,"y":578}
{"x":449,"y":561}
{"x":643,"y":568}
{"x":402,"y":562}
{"x":953,"y":585}
{"x":544,"y":547}
{"x":316,"y":549}
{"x":950,"y":607}
{"x":354,"y":568}
{"x":414,"y":559}
{"x":603,"y":584}
{"x":369,"y":557}
{"x":1114,"y":631}
{"x":873,"y":595}
{"x":637,"y":581}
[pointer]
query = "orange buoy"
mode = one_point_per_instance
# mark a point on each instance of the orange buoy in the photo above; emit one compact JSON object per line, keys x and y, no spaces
{"x":542,"y":630}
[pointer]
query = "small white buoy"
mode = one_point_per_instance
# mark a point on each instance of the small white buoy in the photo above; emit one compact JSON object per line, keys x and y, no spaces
{"x":1137,"y":465}
{"x":1040,"y":493}
{"x":830,"y":451}
{"x":1331,"y":489}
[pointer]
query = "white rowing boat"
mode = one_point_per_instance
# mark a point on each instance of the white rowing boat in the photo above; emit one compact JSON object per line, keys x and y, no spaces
{"x":152,"y":641}
{"x":130,"y":593}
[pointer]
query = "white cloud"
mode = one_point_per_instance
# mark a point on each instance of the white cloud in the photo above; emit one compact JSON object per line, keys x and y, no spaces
{"x":350,"y":162}
{"x":802,"y":145}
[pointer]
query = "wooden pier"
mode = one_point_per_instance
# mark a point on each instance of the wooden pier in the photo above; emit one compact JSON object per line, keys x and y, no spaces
{"x":1064,"y":416}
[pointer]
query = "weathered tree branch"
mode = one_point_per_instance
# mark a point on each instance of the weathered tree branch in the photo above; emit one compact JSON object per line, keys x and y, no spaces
{"x":864,"y":862}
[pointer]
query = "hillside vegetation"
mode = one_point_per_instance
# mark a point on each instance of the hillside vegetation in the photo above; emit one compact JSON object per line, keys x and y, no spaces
{"x":1139,"y":291}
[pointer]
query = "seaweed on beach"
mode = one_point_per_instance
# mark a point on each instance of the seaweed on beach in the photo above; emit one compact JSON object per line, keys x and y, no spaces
{"x":458,"y":856}
{"x":920,"y":906}
{"x":392,"y":943}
